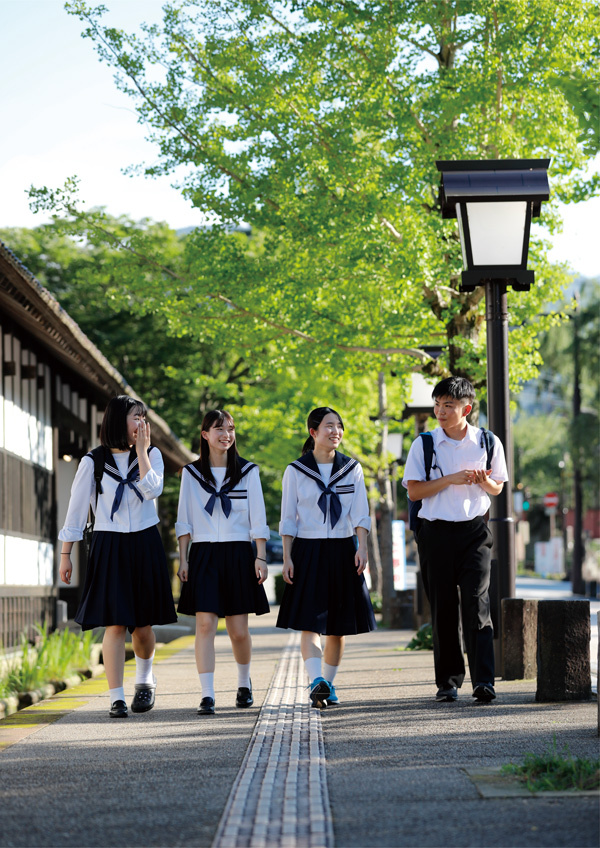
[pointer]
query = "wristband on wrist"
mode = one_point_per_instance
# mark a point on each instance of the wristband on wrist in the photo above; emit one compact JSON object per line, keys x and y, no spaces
{"x":262,"y":559}
{"x":65,"y":553}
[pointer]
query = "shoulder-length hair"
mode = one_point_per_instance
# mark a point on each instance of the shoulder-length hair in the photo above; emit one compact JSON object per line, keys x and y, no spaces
{"x":313,"y":422}
{"x":113,"y":431}
{"x":216,"y":418}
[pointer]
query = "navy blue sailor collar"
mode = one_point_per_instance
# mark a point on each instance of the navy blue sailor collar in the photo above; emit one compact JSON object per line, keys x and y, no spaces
{"x":342,"y":465}
{"x":223,"y":493}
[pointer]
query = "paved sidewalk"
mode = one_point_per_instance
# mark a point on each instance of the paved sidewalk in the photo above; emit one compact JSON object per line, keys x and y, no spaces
{"x":396,"y":769}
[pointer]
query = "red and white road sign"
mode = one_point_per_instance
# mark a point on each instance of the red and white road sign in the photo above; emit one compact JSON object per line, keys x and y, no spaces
{"x":551,"y":500}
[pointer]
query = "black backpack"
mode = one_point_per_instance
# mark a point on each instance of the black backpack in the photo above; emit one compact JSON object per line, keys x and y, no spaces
{"x":487,"y":441}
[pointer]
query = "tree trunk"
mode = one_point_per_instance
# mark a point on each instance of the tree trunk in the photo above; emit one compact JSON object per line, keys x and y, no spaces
{"x":373,"y":546}
{"x":386,"y":507}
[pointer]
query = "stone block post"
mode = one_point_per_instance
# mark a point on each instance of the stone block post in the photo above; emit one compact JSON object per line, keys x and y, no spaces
{"x":519,"y":639}
{"x":563,"y":651}
{"x":402,"y":612}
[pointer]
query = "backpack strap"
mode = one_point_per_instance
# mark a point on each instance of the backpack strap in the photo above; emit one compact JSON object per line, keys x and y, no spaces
{"x":97,"y":455}
{"x":488,"y":441}
{"x":427,"y":452}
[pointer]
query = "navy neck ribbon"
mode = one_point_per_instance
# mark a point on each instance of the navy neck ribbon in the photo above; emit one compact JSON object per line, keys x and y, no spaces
{"x":342,"y":465}
{"x":133,"y":475}
{"x":223,"y":493}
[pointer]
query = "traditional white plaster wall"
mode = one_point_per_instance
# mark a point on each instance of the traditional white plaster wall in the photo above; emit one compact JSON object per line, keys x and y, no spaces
{"x":27,"y":562}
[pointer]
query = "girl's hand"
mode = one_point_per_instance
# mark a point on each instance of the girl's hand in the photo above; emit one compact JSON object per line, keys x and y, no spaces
{"x":261,"y":570}
{"x":360,"y":559}
{"x":142,"y":437}
{"x":183,"y":572}
{"x":288,"y":571}
{"x":66,"y":568}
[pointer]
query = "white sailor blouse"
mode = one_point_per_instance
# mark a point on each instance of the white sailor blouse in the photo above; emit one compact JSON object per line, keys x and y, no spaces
{"x":315,"y":508}
{"x":126,"y":503}
{"x":221,"y":513}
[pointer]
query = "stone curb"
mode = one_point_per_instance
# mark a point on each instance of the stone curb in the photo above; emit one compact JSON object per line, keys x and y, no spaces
{"x":494,"y":783}
{"x":14,"y":703}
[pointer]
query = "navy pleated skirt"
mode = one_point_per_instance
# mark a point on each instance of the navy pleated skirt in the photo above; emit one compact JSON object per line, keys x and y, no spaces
{"x":127,"y":581}
{"x":222,"y":579}
{"x":327,"y":596}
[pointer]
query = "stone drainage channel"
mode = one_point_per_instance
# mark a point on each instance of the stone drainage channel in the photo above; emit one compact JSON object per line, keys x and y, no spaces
{"x":280,"y":795}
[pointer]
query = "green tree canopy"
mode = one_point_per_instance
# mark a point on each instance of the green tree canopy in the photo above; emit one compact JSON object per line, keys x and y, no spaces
{"x":319,"y":123}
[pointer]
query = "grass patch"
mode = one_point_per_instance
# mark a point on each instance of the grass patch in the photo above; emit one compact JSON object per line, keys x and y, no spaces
{"x":554,"y":772}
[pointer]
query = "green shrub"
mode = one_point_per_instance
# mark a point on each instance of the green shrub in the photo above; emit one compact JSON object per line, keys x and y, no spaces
{"x":376,"y":601}
{"x":55,"y":656}
{"x":422,"y":640}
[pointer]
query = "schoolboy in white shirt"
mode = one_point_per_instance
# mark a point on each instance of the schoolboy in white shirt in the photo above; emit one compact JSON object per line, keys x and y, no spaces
{"x":454,"y":540}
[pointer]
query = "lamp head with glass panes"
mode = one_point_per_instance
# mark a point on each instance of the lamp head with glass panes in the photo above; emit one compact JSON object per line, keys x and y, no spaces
{"x":494,"y":201}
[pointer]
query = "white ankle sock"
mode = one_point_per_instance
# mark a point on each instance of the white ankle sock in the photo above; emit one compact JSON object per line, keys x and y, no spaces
{"x":143,"y":669}
{"x":116,"y":695}
{"x":244,"y":675}
{"x":329,"y":672}
{"x":207,"y":684}
{"x":313,"y":667}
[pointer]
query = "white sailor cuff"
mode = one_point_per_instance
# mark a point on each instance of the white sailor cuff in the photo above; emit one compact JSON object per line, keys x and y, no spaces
{"x":183,"y":529}
{"x":70,"y":534}
{"x":288,"y":528}
{"x":260,"y":532}
{"x":151,"y":485}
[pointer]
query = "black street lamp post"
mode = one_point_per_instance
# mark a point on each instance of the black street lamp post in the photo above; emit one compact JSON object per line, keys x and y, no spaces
{"x":494,"y":202}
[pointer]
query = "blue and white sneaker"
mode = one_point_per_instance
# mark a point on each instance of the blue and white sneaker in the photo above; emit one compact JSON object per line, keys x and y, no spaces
{"x":320,"y":691}
{"x":332,"y":699}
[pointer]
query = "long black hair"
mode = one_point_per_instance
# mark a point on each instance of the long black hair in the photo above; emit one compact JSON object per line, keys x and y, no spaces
{"x":215,"y":418}
{"x":314,"y":419}
{"x":113,"y":431}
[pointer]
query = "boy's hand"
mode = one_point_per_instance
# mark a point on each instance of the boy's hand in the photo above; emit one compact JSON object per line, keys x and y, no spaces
{"x":460,"y":478}
{"x":480,"y":476}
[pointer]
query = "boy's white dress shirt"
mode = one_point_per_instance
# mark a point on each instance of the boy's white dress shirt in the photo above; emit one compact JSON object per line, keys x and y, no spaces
{"x":455,"y":503}
{"x":132,"y":515}
{"x":247,"y":519}
{"x":301,"y":515}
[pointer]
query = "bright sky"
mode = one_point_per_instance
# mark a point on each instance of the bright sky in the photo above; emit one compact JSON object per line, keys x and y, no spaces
{"x":63,"y":116}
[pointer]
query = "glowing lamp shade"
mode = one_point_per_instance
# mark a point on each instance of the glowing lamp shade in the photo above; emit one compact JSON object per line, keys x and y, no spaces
{"x":494,"y":202}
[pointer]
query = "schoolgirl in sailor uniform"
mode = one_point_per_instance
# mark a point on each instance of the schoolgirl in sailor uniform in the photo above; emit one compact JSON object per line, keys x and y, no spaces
{"x":221,"y":511}
{"x":127,"y":583}
{"x":323,"y":505}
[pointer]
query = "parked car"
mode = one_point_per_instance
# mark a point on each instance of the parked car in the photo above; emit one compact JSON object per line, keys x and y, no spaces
{"x":274,"y":548}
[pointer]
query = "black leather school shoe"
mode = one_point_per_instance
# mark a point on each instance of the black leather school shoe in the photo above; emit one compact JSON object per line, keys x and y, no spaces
{"x":244,"y":697}
{"x":118,"y":710}
{"x":207,"y":706}
{"x":144,"y":697}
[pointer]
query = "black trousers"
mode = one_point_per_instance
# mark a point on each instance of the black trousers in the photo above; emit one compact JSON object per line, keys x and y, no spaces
{"x":456,"y":555}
